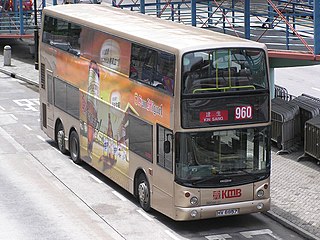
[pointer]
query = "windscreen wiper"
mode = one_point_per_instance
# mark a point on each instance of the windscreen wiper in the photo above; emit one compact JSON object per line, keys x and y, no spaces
{"x":203,"y":180}
{"x":221,"y":173}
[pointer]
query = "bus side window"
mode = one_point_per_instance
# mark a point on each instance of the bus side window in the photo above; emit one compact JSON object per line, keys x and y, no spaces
{"x":149,"y":66}
{"x":153,"y":67}
{"x":63,"y":35}
{"x":140,"y":137}
{"x":165,"y":71}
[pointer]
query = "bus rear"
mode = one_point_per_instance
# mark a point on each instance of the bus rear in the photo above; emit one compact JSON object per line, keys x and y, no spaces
{"x":222,"y":150}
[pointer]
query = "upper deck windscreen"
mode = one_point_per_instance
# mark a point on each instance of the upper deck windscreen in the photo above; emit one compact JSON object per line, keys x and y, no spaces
{"x":224,"y":70}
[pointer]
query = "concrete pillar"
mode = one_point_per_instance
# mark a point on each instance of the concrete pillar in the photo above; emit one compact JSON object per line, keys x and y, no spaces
{"x":7,"y":55}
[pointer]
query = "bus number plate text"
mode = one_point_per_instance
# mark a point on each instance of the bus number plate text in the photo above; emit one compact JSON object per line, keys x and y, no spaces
{"x":226,"y":212}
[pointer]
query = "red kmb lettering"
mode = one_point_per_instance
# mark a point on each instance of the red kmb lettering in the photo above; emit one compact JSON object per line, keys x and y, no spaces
{"x":231,"y":193}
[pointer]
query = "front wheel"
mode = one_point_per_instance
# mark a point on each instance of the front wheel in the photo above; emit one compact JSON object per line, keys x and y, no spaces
{"x":60,"y":136}
{"x":75,"y":147}
{"x":143,"y":190}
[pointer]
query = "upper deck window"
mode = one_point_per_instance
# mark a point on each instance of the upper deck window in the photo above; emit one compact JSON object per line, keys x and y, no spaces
{"x":153,"y":67}
{"x":224,"y":70}
{"x":61,"y":34}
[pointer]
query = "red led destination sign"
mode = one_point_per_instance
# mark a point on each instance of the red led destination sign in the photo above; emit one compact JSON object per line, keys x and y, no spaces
{"x":240,"y":113}
{"x":214,"y":116}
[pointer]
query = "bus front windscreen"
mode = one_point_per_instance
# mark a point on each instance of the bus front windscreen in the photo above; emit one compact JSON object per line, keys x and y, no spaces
{"x":222,"y":158}
{"x":224,"y":70}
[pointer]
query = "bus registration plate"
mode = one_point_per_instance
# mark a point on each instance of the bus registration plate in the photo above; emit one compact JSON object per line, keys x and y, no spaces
{"x":227,"y":212}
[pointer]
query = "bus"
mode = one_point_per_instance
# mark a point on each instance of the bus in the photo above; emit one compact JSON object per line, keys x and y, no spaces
{"x":177,"y":115}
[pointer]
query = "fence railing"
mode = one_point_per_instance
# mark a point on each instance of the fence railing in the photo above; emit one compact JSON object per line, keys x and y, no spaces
{"x":16,"y":24}
{"x":281,"y":25}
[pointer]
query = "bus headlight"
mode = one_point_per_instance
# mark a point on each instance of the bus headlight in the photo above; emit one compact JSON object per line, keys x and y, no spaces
{"x":193,"y":213}
{"x":260,"y":193}
{"x":194,"y":201}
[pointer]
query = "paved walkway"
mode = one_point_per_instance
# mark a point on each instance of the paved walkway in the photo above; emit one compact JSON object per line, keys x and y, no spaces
{"x":295,"y":186}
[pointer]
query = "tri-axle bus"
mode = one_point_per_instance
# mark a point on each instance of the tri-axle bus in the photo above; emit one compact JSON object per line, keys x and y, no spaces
{"x":178,"y":116}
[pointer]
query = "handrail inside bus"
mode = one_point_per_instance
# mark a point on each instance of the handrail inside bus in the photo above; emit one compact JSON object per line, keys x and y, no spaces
{"x":224,"y":89}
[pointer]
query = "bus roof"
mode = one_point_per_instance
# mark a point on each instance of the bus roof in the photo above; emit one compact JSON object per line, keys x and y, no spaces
{"x":162,"y":34}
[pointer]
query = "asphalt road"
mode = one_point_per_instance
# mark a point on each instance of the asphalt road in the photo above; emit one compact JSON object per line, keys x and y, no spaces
{"x":299,"y":80}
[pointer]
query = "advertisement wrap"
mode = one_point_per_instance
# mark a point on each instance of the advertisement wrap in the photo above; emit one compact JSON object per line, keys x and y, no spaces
{"x":107,"y":97}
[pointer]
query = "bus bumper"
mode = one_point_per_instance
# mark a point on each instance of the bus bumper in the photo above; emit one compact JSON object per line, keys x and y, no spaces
{"x":231,"y":209}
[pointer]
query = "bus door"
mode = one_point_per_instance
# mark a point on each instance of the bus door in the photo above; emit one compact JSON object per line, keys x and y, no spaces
{"x":50,"y":100}
{"x":163,"y":176}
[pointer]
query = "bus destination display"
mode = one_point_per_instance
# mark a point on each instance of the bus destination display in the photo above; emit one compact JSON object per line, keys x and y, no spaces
{"x":240,"y":113}
{"x":221,"y":112}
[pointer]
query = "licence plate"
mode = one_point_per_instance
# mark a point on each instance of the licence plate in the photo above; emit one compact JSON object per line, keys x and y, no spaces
{"x":227,"y":212}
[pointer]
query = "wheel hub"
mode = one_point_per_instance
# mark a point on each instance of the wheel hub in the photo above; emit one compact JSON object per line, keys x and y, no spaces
{"x":60,"y":138}
{"x":143,"y":192}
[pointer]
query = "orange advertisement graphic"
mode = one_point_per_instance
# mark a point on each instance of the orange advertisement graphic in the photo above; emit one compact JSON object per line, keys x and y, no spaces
{"x":104,"y":49}
{"x":107,"y":96}
{"x":107,"y":50}
{"x":151,"y":105}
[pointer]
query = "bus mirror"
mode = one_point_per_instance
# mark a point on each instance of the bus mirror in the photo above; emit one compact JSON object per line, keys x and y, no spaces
{"x":166,"y":146}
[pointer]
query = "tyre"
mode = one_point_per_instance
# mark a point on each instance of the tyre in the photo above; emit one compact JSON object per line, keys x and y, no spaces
{"x":75,"y":147}
{"x":143,"y":190}
{"x":60,"y":136}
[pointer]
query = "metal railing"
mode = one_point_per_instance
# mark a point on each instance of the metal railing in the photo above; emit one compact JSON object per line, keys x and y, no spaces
{"x":16,"y":24}
{"x":281,"y":25}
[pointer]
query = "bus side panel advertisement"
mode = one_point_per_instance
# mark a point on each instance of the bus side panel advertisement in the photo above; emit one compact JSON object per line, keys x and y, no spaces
{"x":107,"y":96}
{"x":104,"y":124}
{"x":106,"y":50}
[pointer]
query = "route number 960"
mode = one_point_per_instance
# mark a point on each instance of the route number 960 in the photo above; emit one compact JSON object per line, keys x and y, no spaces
{"x":243,"y":112}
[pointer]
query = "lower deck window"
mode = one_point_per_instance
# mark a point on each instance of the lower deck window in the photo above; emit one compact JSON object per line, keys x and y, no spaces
{"x":66,"y":97}
{"x":140,"y":137}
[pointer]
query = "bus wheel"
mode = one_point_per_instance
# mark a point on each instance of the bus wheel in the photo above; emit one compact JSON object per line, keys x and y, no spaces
{"x":143,"y":191}
{"x":75,"y":147}
{"x":60,"y":139}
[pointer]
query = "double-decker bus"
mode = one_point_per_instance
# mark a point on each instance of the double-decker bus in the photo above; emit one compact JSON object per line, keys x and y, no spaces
{"x":178,"y":116}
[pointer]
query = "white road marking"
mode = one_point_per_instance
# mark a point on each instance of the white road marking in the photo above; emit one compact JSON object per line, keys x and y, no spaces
{"x":77,"y":165}
{"x":249,"y":234}
{"x":218,"y":237}
{"x":29,"y":104}
{"x":144,"y":214}
{"x":13,"y":116}
{"x":95,"y":179}
{"x":317,"y":89}
{"x":27,"y":127}
{"x":122,"y":198}
{"x":41,"y":138}
{"x":171,"y":235}
{"x":2,"y":108}
{"x":56,"y":149}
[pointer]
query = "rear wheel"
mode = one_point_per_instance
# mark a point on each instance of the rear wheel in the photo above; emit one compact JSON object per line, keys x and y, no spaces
{"x":143,"y":190}
{"x":60,"y":136}
{"x":75,"y":147}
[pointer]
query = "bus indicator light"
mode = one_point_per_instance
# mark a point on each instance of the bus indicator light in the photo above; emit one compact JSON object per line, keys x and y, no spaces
{"x":243,"y":112}
{"x":214,"y":116}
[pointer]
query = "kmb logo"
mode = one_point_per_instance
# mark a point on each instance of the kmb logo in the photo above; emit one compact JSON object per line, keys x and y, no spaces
{"x":232,"y":193}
